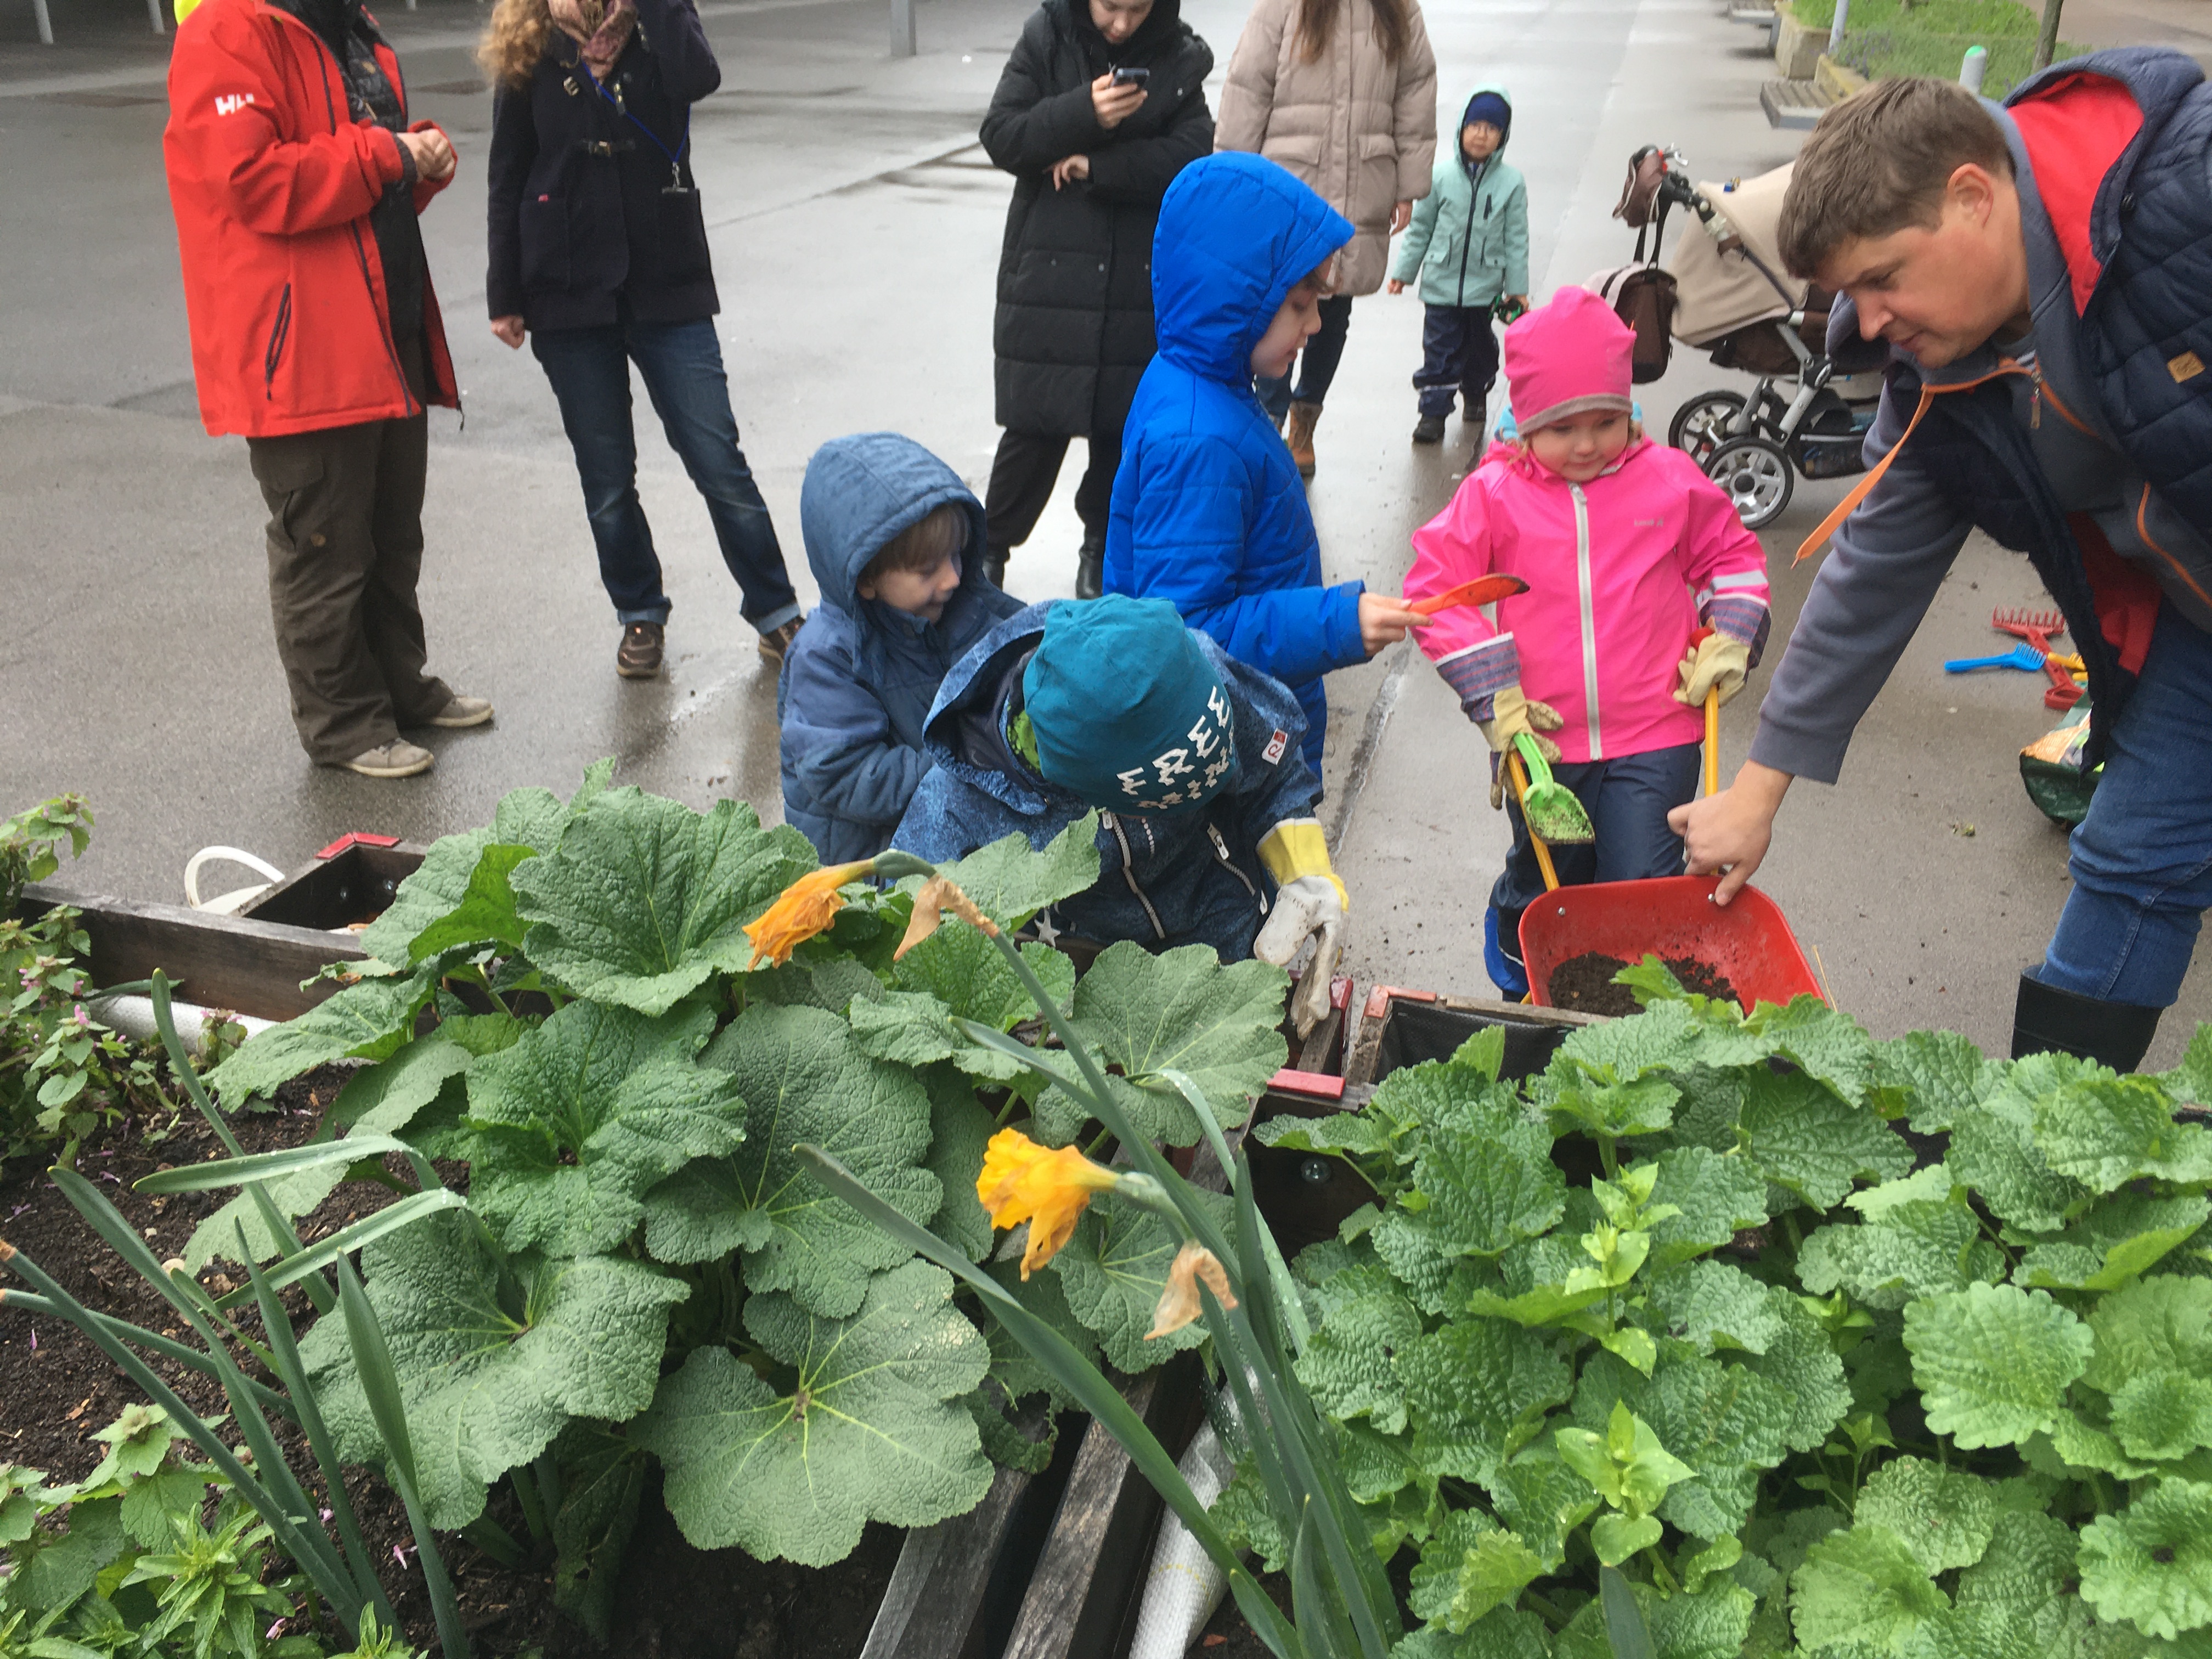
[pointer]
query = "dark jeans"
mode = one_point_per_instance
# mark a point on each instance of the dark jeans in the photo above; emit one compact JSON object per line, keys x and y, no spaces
{"x":1628,"y":799}
{"x":345,"y":550}
{"x":1022,"y":475}
{"x":682,"y":364}
{"x":2141,"y":860}
{"x":1459,"y":354}
{"x":1316,"y":364}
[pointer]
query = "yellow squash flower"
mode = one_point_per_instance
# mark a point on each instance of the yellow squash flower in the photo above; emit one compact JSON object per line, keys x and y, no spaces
{"x":1178,"y":1303}
{"x":804,"y":910}
{"x":1048,"y":1187}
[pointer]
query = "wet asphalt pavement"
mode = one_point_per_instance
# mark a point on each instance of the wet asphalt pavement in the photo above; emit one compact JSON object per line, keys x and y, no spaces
{"x":855,"y":227}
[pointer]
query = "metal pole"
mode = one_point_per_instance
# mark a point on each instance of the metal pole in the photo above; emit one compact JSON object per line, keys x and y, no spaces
{"x":2046,"y":44}
{"x":903,"y":28}
{"x":46,"y":23}
{"x":153,"y":12}
{"x":1842,"y":23}
{"x":1971,"y":71}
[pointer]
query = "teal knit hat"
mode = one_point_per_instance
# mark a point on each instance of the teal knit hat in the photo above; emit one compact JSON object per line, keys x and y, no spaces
{"x":1129,"y":713}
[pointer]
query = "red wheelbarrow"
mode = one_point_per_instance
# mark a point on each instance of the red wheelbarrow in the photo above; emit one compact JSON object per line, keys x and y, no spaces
{"x":1748,"y":944}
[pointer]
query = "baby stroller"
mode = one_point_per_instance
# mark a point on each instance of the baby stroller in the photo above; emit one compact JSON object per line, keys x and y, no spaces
{"x":1731,"y":298}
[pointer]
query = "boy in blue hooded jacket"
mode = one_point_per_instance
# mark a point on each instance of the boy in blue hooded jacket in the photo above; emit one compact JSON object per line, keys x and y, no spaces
{"x":897,"y":544}
{"x":1209,"y":511}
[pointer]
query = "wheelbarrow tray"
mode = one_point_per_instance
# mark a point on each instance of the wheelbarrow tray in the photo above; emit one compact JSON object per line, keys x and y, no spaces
{"x":1749,"y":942}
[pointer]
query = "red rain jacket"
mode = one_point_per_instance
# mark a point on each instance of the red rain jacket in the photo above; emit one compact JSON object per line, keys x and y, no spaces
{"x":272,"y":181}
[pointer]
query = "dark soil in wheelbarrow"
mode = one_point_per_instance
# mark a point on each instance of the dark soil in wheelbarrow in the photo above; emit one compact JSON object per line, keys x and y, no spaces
{"x":1584,"y":983}
{"x":675,"y":1602}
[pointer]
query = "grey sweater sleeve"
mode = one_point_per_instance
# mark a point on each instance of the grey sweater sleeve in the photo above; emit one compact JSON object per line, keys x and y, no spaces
{"x":1879,"y":579}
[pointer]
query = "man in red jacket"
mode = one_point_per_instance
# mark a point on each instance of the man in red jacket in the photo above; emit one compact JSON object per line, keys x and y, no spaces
{"x":296,"y":178}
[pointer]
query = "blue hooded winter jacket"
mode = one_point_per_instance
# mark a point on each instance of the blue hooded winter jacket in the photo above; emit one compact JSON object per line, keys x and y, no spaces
{"x":860,"y":676}
{"x":1209,"y":511}
{"x":1190,"y":875}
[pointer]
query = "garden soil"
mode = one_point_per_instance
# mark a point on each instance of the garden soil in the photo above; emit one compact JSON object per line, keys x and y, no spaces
{"x":1584,"y":983}
{"x":675,"y":1601}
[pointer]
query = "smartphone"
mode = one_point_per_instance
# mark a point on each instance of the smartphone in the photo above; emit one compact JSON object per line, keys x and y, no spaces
{"x":1132,"y":77}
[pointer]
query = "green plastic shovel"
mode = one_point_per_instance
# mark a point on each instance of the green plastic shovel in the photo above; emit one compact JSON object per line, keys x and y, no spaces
{"x":1553,"y":813}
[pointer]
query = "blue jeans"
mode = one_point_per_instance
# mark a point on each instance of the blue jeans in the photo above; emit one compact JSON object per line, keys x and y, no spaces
{"x":2141,"y":860}
{"x":1628,"y":799}
{"x":682,"y":364}
{"x":1316,"y":364}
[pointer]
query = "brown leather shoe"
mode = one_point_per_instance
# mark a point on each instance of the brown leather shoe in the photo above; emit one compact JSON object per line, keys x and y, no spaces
{"x":638,"y":656}
{"x":777,"y":641}
{"x":1297,"y":432}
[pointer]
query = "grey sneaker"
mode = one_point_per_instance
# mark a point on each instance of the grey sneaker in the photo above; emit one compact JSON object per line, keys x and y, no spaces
{"x":463,"y":712}
{"x":392,"y":760}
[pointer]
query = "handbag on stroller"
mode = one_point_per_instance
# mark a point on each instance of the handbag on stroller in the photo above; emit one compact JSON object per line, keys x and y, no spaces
{"x":1728,"y":294}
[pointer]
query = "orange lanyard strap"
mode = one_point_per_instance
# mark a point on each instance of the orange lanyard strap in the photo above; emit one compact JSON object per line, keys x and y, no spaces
{"x":1828,"y":526}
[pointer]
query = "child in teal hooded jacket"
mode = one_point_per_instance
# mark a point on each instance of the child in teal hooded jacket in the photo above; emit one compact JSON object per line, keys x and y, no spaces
{"x":1468,"y":243}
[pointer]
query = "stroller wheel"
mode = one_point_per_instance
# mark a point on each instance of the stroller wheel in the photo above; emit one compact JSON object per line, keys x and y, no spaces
{"x":1755,"y":476}
{"x":1701,"y":425}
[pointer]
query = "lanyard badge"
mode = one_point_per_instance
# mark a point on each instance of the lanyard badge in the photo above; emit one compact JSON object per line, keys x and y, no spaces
{"x":675,"y":186}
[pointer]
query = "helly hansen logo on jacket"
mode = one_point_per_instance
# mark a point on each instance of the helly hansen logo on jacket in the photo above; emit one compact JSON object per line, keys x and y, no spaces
{"x":231,"y":102}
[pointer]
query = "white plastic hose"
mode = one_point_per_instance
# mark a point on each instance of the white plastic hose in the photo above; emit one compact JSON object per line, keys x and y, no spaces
{"x":134,"y":1017}
{"x":1184,"y":1586}
{"x":226,"y":904}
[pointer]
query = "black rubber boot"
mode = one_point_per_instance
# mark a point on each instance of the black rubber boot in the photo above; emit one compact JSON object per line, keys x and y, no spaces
{"x":1091,"y":568}
{"x":2047,"y":1020}
{"x":994,"y":566}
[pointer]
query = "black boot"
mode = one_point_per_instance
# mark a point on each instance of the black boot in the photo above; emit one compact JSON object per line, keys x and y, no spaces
{"x":2047,"y":1020}
{"x":994,"y":566}
{"x":1091,"y":568}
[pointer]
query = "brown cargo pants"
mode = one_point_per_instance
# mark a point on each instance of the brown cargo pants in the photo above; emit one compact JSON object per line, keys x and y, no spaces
{"x":345,"y":551}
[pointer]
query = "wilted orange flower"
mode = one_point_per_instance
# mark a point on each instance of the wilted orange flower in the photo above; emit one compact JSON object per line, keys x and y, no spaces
{"x":801,"y":911}
{"x":937,"y":896}
{"x":1048,"y":1187}
{"x":1178,"y":1303}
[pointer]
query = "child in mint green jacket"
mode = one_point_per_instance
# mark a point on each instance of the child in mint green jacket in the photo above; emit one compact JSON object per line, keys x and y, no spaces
{"x":1468,"y":242}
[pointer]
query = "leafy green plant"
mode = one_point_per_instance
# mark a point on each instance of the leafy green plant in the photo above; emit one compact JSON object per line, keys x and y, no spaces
{"x":151,"y":1553}
{"x":1801,"y":1396}
{"x":62,"y":1072}
{"x":591,"y":1005}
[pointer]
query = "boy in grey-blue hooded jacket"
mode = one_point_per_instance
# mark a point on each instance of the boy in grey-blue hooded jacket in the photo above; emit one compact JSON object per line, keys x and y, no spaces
{"x":860,"y":679}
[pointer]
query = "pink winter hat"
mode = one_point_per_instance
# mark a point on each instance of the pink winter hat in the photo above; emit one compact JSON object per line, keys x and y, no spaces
{"x":1568,"y":357}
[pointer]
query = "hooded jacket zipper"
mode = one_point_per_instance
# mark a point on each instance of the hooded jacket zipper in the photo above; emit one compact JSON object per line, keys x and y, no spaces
{"x":1589,"y":615}
{"x":1112,"y":822}
{"x":1221,"y":852}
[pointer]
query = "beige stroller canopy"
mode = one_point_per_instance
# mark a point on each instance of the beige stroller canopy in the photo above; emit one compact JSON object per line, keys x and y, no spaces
{"x":1717,"y":289}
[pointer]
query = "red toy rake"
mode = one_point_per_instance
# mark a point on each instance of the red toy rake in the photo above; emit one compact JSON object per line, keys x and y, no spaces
{"x":2039,"y":629}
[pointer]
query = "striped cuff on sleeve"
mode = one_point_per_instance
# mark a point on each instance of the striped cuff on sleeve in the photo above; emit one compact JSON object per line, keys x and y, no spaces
{"x":1481,"y":671}
{"x":1740,"y":618}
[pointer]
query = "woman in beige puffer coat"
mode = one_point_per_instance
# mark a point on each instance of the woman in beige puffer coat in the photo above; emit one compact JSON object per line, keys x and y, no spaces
{"x":1342,"y":93}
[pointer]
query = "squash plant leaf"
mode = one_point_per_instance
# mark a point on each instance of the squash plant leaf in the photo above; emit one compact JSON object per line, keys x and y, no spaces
{"x":366,"y":1020}
{"x":870,"y":1427}
{"x":957,"y":973}
{"x":576,"y":1121}
{"x":488,"y":1379}
{"x":645,"y":900}
{"x":1184,"y":1010}
{"x":1010,"y":882}
{"x":1113,"y":1271}
{"x":603,"y":1476}
{"x":801,"y":1076}
{"x":959,"y":1130}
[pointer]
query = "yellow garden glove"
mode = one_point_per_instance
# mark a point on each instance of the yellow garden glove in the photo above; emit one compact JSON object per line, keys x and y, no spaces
{"x":1512,"y":712}
{"x":1718,"y":661}
{"x":1310,"y":903}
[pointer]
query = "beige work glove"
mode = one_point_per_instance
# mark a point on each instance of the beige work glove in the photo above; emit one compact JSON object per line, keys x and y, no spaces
{"x":1310,"y":902}
{"x":1717,"y":662}
{"x":1512,"y":712}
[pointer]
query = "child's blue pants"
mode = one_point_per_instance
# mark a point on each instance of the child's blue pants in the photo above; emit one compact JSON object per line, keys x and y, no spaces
{"x":1628,"y":799}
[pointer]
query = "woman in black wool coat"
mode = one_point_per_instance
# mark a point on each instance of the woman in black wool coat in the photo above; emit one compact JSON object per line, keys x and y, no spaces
{"x":1091,"y":160}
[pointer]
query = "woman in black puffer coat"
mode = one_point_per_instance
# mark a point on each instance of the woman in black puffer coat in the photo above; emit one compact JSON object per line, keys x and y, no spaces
{"x":1091,"y":160}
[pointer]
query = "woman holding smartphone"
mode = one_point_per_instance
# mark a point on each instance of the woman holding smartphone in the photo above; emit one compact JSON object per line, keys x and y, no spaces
{"x":1343,"y":92}
{"x":598,"y":256}
{"x":1101,"y":105}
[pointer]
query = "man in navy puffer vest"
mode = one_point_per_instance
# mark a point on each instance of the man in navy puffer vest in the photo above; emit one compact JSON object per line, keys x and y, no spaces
{"x":2041,"y":274}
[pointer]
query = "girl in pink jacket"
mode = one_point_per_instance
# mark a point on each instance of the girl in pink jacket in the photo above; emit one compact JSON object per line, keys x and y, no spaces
{"x":1628,"y":550}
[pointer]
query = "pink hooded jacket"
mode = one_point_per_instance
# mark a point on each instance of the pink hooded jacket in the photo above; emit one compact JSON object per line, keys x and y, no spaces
{"x":1620,"y":570}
